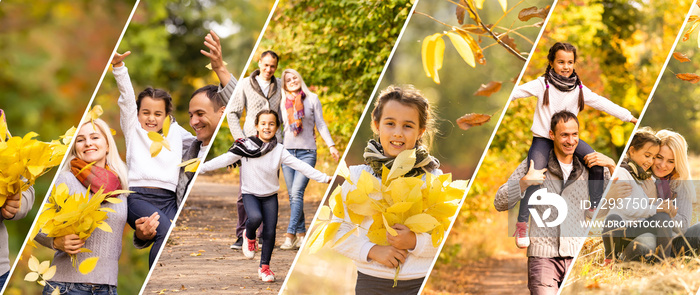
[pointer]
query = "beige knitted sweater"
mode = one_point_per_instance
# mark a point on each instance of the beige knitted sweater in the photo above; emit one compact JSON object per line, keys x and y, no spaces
{"x":563,"y":240}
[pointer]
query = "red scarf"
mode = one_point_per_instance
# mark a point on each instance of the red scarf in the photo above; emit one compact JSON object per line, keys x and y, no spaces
{"x":294,"y":106}
{"x":95,"y":177}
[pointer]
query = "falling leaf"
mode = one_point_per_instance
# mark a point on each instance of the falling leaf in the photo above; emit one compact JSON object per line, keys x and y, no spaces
{"x":530,"y":12}
{"x":488,"y":89}
{"x":472,"y":120}
{"x":88,"y":265}
{"x":692,"y":28}
{"x":95,"y":112}
{"x":208,"y":66}
{"x":681,"y":57}
{"x":190,"y":165}
{"x":462,"y":47}
{"x":692,"y":78}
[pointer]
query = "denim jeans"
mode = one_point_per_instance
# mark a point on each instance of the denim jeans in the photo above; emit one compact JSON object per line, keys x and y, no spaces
{"x":262,"y":210}
{"x":3,"y":279}
{"x":79,"y":289}
{"x":296,"y":185}
{"x":142,"y":203}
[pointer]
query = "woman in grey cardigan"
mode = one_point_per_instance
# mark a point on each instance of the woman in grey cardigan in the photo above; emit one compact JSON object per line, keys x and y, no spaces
{"x":300,"y":111}
{"x":93,"y":145}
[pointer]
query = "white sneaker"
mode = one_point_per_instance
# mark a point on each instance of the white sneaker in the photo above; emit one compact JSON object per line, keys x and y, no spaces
{"x":249,"y":247}
{"x":265,"y":274}
{"x":521,"y":238}
{"x":299,"y":242}
{"x":288,"y":243}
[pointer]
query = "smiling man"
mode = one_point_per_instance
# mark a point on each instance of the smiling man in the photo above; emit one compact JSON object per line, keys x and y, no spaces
{"x":552,"y":248}
{"x":207,"y":105}
{"x":260,"y":91}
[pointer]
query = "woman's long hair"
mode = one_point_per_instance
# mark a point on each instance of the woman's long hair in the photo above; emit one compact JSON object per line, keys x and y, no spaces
{"x":114,"y":161}
{"x":680,"y":178}
{"x":304,"y":88}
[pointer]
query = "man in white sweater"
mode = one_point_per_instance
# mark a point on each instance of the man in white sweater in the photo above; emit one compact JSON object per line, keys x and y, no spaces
{"x":553,"y":247}
{"x":259,"y":91}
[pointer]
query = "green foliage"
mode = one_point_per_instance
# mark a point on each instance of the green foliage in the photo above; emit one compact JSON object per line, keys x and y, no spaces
{"x":340,"y":48}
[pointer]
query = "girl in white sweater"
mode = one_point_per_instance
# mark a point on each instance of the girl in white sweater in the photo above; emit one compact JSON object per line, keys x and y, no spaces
{"x":153,"y":179}
{"x":400,"y":118}
{"x":260,"y":158}
{"x":557,"y":90}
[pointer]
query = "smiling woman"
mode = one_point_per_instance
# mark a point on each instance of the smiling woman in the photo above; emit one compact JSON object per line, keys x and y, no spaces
{"x":93,"y":165}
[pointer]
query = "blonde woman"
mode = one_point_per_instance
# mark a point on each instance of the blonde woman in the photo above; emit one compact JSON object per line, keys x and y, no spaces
{"x":301,"y":112}
{"x":94,"y":145}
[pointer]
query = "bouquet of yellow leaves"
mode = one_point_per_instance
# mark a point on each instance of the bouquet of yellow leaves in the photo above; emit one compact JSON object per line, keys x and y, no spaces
{"x":423,"y":206}
{"x":79,"y":214}
{"x":24,"y":159}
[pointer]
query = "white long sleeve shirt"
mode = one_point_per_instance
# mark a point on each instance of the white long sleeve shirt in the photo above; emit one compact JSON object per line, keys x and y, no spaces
{"x":560,"y":101}
{"x":260,"y":176}
{"x":145,"y":171}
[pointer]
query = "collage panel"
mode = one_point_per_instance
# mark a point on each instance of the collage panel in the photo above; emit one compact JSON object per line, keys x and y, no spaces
{"x":130,"y":144}
{"x":652,"y":247}
{"x":617,"y":49}
{"x":351,"y":250}
{"x":52,"y":56}
{"x":315,"y":68}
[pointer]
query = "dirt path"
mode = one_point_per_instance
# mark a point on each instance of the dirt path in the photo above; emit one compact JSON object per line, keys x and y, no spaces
{"x":505,"y":274}
{"x":197,"y":257}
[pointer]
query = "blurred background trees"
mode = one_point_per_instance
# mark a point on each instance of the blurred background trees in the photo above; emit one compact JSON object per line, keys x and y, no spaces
{"x":52,"y":54}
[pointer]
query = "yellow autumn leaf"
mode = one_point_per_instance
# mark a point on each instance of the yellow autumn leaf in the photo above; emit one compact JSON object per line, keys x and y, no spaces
{"x":402,"y":164}
{"x":344,"y":171}
{"x":324,"y":213}
{"x":33,"y":263}
{"x":315,"y":243}
{"x":104,"y":226}
{"x":336,"y":203}
{"x":463,"y":48}
{"x":437,"y":235}
{"x":50,"y":272}
{"x":56,"y":291}
{"x":427,"y":48}
{"x":330,"y":231}
{"x":479,"y":4}
{"x":190,"y":165}
{"x":391,"y":231}
{"x":31,"y":277}
{"x":378,"y":236}
{"x":438,"y":53}
{"x":364,"y":208}
{"x":421,"y":223}
{"x":43,"y":267}
{"x":95,"y":112}
{"x":504,"y":5}
{"x":156,"y":146}
{"x":166,"y":126}
{"x":88,"y":265}
{"x":3,"y":126}
{"x":400,"y":207}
